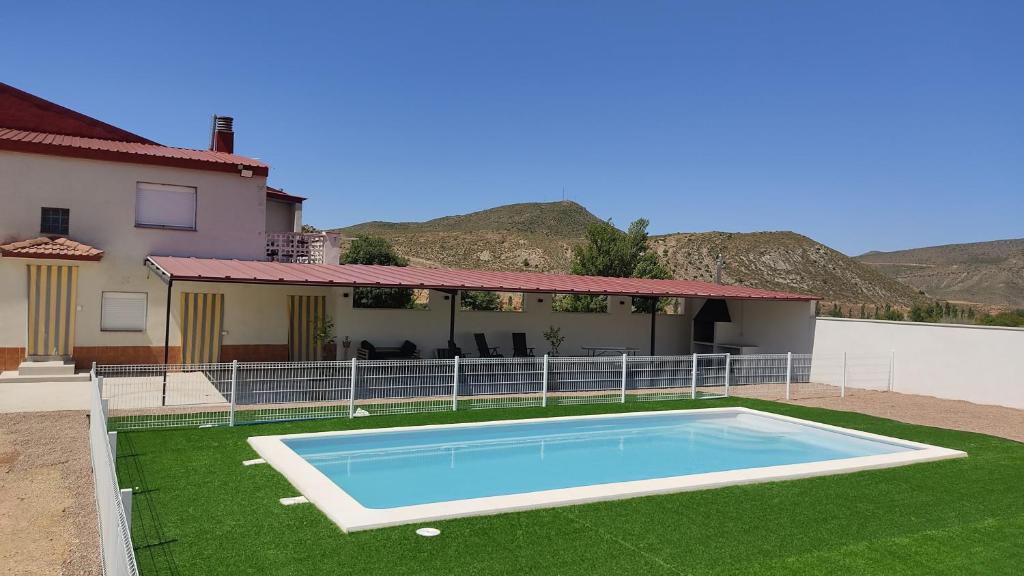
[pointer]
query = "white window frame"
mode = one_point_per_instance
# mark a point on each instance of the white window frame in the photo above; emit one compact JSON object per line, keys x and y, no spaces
{"x":145,"y":312}
{"x":169,"y":188}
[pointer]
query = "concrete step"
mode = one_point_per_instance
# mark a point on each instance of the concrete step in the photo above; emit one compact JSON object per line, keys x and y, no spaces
{"x":13,"y":377}
{"x":47,"y":368}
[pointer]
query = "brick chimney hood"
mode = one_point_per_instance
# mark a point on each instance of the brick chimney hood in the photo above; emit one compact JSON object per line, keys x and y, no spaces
{"x":222,"y":137}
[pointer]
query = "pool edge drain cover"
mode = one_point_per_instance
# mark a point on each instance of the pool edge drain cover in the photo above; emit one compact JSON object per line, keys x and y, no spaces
{"x":428,"y":532}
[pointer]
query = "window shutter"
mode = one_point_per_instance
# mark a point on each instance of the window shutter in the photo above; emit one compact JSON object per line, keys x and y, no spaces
{"x":123,"y":311}
{"x":165,"y":205}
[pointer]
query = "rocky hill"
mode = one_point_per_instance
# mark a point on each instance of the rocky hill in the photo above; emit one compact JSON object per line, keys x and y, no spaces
{"x":781,"y":261}
{"x":981,"y":272}
{"x":540,"y":236}
{"x":535,"y":236}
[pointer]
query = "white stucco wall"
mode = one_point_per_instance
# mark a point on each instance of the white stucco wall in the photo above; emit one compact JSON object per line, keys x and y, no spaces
{"x":979,"y":364}
{"x":230,"y":219}
{"x":429,"y":328}
{"x":775,"y":327}
{"x":283,"y":216}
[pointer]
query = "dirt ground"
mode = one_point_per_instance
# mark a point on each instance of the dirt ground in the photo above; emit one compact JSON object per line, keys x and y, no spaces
{"x":928,"y":411}
{"x":47,"y":506}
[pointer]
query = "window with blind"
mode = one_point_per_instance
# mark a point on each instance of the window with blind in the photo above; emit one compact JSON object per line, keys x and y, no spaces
{"x":123,"y":312}
{"x":165,"y":206}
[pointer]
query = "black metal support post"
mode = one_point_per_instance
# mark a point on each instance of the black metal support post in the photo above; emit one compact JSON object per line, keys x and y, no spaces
{"x":167,"y":340}
{"x":451,"y":316}
{"x":654,"y":316}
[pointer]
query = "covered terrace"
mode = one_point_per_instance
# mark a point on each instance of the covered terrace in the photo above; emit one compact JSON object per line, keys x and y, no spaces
{"x":711,"y":318}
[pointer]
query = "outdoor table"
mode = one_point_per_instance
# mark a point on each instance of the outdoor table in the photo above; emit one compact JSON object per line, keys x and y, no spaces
{"x":610,"y":350}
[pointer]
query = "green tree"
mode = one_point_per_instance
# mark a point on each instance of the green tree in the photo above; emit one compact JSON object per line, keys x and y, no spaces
{"x":609,"y":251}
{"x":378,"y":251}
{"x":479,"y":300}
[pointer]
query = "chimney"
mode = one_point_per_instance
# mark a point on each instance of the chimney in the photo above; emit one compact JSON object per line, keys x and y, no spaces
{"x":222,"y":137}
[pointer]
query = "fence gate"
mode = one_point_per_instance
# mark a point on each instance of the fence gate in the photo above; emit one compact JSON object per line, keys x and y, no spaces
{"x":202,"y":320}
{"x":305,"y":313}
{"x":52,"y":294}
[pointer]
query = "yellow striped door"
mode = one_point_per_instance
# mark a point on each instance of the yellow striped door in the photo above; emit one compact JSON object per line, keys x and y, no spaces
{"x":52,"y":302}
{"x":304,"y":314}
{"x":202,"y":320}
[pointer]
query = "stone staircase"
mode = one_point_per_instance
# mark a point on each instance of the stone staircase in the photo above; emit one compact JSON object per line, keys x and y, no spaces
{"x":44,"y":371}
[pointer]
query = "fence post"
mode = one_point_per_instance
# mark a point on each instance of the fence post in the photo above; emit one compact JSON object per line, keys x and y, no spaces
{"x":352,"y":390}
{"x":112,"y":441}
{"x":92,"y":372}
{"x":126,"y":503}
{"x":693,"y":377}
{"x":544,"y":390}
{"x":234,"y":390}
{"x":842,"y":388}
{"x":789,"y":372}
{"x":99,"y":386}
{"x":623,"y":398}
{"x":728,"y":361}
{"x":455,"y":387}
{"x":892,"y":369}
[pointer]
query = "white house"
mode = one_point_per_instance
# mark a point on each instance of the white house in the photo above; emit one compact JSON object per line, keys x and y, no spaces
{"x":116,"y":249}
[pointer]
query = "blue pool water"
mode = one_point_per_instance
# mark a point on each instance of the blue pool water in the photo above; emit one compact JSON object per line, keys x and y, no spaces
{"x":406,"y":467}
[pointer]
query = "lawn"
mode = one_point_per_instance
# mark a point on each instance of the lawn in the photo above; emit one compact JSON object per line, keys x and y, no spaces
{"x":199,"y":511}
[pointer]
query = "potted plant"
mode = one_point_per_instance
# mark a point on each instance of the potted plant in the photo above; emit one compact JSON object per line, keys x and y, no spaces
{"x":554,"y":337}
{"x":323,"y":335}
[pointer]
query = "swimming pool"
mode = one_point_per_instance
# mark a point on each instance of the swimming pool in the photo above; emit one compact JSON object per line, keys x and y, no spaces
{"x":380,"y":477}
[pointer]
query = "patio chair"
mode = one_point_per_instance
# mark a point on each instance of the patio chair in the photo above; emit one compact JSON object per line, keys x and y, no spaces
{"x":407,"y":351}
{"x":485,"y":350}
{"x":450,"y":352}
{"x":519,"y":347}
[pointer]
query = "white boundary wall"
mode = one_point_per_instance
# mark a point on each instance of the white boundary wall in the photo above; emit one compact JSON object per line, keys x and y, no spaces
{"x":981,"y":364}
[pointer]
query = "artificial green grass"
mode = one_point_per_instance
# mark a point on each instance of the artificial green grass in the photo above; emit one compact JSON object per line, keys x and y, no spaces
{"x":199,"y":511}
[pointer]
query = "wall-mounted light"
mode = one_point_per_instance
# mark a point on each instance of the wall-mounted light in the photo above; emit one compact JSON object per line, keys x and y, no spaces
{"x":446,"y":297}
{"x":621,"y":302}
{"x":541,"y":300}
{"x":344,"y":294}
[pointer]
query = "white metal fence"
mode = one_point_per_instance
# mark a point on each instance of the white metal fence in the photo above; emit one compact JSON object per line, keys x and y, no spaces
{"x":113,"y":505}
{"x":154,"y":396}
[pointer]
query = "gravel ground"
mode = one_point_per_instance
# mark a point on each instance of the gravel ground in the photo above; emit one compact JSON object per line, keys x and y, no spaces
{"x":928,"y":411}
{"x":47,"y":505}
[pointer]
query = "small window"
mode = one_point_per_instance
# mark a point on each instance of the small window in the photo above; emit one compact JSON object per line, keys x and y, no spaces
{"x":491,"y":301}
{"x":165,"y":206}
{"x":123,"y":312}
{"x":667,"y":306}
{"x":395,"y":298}
{"x":55,"y":221}
{"x":579,"y":303}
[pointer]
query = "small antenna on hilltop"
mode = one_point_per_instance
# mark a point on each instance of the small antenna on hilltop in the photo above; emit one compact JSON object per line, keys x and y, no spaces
{"x":563,"y":192}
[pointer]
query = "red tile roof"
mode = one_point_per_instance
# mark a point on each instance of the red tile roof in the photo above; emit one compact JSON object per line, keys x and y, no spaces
{"x":31,"y":124}
{"x":251,"y":272}
{"x":58,"y":249}
{"x":278,"y":194}
{"x":24,"y":111}
{"x":94,"y":148}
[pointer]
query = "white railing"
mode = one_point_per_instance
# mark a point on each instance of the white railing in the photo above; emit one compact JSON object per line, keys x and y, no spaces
{"x":113,"y":505}
{"x":303,"y":247}
{"x":155,"y":396}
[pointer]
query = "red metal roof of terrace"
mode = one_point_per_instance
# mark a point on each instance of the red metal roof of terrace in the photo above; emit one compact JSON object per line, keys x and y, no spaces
{"x":252,"y":272}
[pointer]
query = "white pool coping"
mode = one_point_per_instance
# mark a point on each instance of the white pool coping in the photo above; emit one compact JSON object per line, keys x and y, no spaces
{"x":351,"y":516}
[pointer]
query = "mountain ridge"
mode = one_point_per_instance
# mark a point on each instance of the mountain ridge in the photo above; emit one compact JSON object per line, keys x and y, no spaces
{"x":541,"y":236}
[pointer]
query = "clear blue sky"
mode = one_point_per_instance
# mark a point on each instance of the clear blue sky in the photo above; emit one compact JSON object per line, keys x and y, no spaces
{"x":863,"y":124}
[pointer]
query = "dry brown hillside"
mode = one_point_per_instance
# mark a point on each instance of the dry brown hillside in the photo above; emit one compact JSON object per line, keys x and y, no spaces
{"x":535,"y":236}
{"x":981,"y":272}
{"x":540,"y":236}
{"x":780,"y":261}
